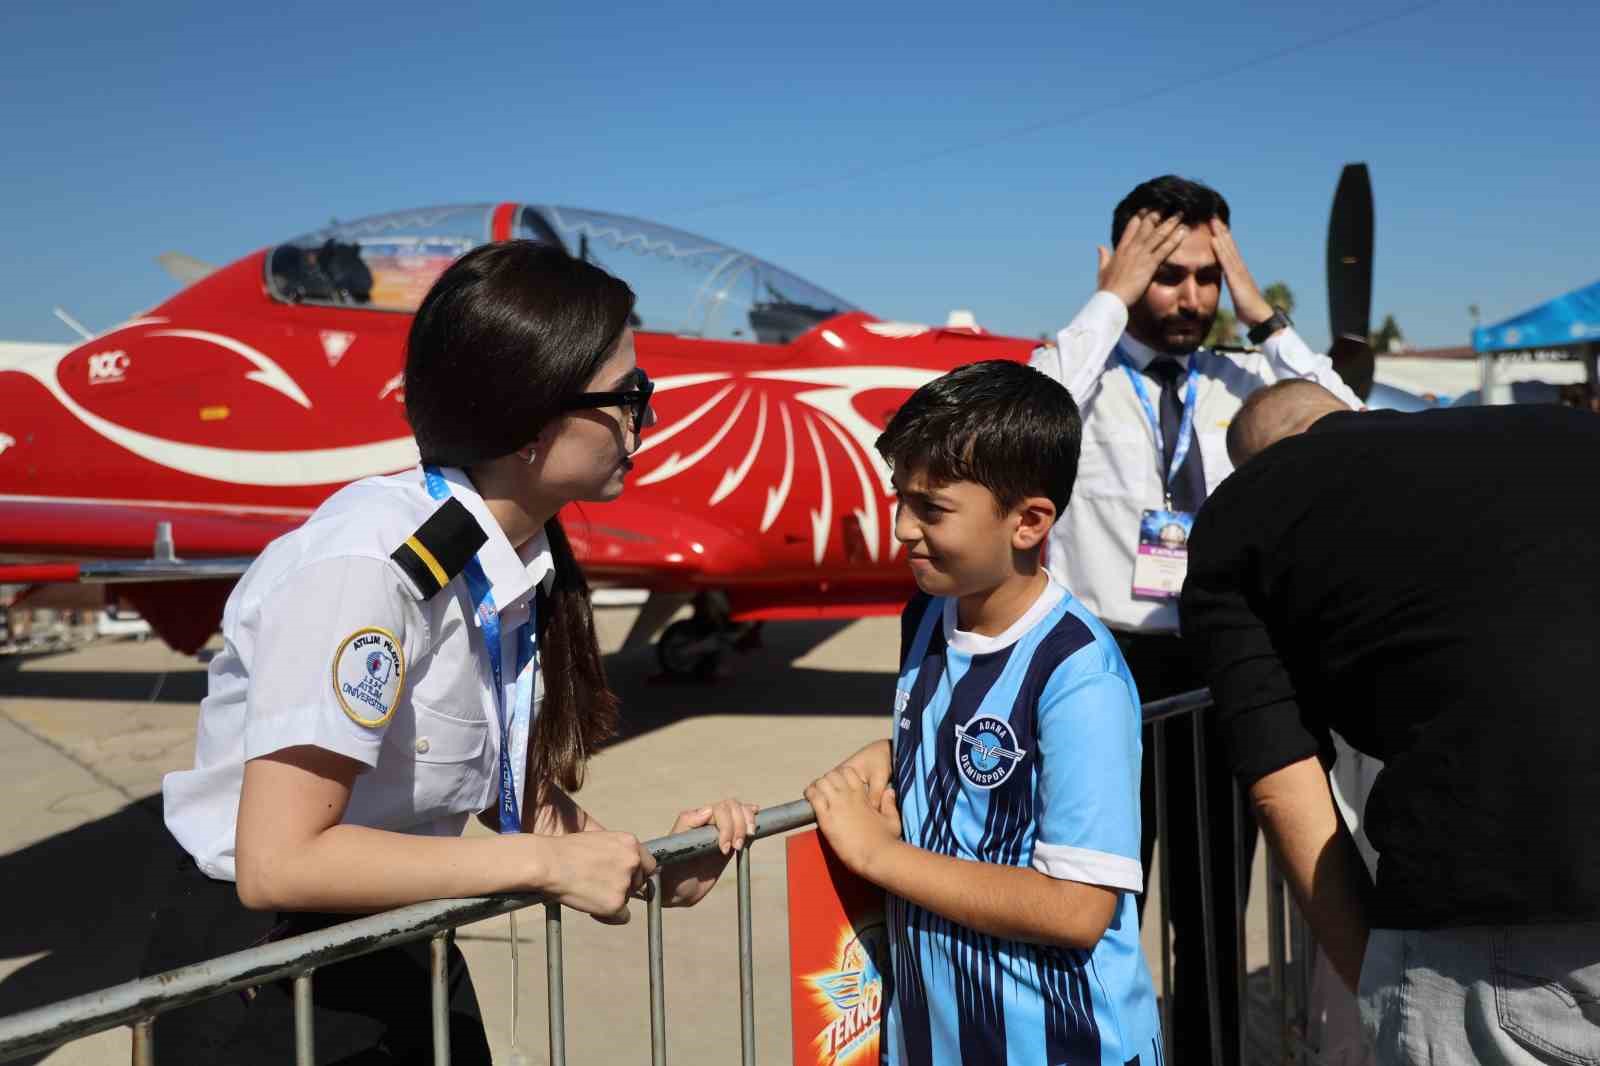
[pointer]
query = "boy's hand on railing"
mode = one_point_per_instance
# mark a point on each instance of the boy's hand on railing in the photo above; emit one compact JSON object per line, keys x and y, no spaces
{"x":875,"y":764}
{"x":593,"y":872}
{"x":685,"y":884}
{"x":855,"y":827}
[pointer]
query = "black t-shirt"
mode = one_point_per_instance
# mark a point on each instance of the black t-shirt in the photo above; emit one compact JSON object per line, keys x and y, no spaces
{"x":1428,"y":586}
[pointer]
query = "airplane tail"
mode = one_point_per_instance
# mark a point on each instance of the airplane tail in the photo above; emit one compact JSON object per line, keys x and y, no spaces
{"x":185,"y":268}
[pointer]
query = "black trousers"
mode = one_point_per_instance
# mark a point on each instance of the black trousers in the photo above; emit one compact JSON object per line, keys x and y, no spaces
{"x":1161,"y":666}
{"x":370,"y":1010}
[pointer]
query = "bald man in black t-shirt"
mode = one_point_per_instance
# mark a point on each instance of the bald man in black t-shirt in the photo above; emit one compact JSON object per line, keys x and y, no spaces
{"x":1426,"y":586}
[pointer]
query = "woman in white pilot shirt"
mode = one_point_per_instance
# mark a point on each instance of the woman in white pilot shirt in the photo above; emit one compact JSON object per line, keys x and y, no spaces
{"x":352,"y":724}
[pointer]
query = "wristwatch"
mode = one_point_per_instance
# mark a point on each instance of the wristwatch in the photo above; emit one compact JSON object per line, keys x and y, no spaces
{"x":1262,"y":330}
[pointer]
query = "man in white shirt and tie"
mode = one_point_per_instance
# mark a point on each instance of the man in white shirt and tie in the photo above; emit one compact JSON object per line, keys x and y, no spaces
{"x":1156,"y":406}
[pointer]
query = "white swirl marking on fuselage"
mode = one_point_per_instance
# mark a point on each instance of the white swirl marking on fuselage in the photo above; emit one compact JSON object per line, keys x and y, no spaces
{"x":867,"y":514}
{"x":683,"y":423}
{"x":733,"y":477}
{"x":266,"y":372}
{"x":823,"y":516}
{"x":777,"y":496}
{"x":834,"y":400}
{"x":841,"y":385}
{"x":316,"y":466}
{"x":677,"y":462}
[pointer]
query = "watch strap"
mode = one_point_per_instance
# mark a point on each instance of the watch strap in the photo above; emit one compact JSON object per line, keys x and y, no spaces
{"x":1262,"y":330}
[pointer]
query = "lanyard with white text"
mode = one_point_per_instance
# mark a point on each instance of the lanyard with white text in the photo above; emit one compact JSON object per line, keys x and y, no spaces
{"x":1185,"y":425}
{"x":489,"y":619}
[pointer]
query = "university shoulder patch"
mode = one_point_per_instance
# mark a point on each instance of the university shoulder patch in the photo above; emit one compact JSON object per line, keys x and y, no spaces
{"x":440,"y":548}
{"x":369,"y":672}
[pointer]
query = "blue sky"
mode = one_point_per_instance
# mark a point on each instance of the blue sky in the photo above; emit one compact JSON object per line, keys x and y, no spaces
{"x":913,"y":158}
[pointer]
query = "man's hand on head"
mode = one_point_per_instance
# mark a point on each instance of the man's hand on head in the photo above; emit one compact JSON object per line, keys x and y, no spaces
{"x":1249,"y":306}
{"x":1146,"y":242}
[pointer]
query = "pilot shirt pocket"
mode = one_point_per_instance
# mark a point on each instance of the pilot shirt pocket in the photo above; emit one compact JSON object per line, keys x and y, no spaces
{"x":1214,"y":456}
{"x":1547,"y":989}
{"x":447,"y":755}
{"x":1112,"y":463}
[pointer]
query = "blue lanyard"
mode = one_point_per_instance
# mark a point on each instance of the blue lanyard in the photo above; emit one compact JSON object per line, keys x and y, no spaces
{"x":489,"y":619}
{"x":1185,"y":425}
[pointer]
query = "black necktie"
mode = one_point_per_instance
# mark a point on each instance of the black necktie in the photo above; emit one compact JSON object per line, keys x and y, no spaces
{"x":1188,"y":489}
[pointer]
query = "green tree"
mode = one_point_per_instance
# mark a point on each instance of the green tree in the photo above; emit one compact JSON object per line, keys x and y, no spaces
{"x":1224,"y":330}
{"x":1388,"y":338}
{"x":1279,"y":295}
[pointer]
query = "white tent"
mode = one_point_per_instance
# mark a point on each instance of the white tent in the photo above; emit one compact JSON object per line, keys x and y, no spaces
{"x":1447,"y":377}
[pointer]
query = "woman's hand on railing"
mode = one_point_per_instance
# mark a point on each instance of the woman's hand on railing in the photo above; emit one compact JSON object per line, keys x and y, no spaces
{"x":686,"y":883}
{"x":592,"y":872}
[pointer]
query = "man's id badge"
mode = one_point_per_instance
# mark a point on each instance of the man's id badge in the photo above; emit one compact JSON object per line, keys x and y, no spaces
{"x":1163,"y":558}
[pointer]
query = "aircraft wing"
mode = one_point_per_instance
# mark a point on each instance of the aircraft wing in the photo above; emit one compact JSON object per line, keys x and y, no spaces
{"x":123,"y":532}
{"x":177,"y":566}
{"x":126,"y":542}
{"x":135,"y":546}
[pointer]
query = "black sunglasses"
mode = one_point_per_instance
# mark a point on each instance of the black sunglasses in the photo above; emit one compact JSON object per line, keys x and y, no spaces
{"x":636,"y":401}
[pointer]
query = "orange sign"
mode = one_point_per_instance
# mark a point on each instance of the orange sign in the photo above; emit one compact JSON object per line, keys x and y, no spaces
{"x":838,"y":951}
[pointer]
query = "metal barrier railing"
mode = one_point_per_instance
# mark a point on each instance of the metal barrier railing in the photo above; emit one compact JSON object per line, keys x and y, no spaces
{"x":137,"y":1003}
{"x":1288,"y":956}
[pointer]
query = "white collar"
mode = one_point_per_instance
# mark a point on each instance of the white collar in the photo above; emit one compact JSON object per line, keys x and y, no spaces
{"x":512,"y":572}
{"x":1142,"y":355}
{"x":978,"y":644}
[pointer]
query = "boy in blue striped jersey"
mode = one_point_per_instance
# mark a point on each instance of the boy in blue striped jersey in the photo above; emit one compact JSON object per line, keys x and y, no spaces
{"x":1002,"y":819}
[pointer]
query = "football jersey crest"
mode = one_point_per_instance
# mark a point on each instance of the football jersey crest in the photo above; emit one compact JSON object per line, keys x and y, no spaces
{"x":986,"y":751}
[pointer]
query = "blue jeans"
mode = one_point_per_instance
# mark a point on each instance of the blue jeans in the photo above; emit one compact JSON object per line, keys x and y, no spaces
{"x":1523,"y":994}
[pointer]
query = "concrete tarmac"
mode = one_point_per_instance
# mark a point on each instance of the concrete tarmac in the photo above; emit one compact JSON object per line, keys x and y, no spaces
{"x":86,"y":735}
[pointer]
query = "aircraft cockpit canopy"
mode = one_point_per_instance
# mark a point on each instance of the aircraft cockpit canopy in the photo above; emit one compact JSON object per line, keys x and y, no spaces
{"x":387,"y":262}
{"x":686,"y":285}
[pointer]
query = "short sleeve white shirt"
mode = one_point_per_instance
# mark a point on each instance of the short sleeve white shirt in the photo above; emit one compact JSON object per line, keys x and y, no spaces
{"x":1093,"y":544}
{"x":327,"y":643}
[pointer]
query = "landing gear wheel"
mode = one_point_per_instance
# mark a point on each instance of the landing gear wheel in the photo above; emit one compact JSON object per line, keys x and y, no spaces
{"x":750,"y":638}
{"x":687,"y":648}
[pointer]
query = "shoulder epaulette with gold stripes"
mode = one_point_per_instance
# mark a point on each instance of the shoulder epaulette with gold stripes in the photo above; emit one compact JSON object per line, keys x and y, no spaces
{"x":440,"y":548}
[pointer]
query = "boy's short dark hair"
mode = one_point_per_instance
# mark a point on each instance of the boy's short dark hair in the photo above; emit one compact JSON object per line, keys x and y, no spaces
{"x":1170,"y":195}
{"x":1000,"y":424}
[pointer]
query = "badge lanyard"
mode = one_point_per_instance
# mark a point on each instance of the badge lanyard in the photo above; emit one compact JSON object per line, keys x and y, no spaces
{"x":1185,"y":425}
{"x":489,"y":619}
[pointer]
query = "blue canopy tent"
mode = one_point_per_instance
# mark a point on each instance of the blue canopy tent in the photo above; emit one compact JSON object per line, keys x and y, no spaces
{"x":1565,"y":328}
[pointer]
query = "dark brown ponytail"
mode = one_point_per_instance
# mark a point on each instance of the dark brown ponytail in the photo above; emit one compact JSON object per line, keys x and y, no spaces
{"x":507,"y":332}
{"x":580,"y":710}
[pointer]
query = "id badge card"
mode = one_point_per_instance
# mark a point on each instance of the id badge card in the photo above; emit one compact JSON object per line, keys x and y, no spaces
{"x":1163,"y":557}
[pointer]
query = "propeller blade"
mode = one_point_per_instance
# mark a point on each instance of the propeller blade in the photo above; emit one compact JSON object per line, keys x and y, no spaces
{"x":1350,"y":227}
{"x":1354,"y":362}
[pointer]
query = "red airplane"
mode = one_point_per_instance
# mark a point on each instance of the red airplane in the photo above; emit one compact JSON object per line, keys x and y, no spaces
{"x":163,"y":454}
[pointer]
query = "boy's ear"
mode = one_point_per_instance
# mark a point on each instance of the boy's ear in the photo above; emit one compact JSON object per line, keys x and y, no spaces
{"x":1035,"y":515}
